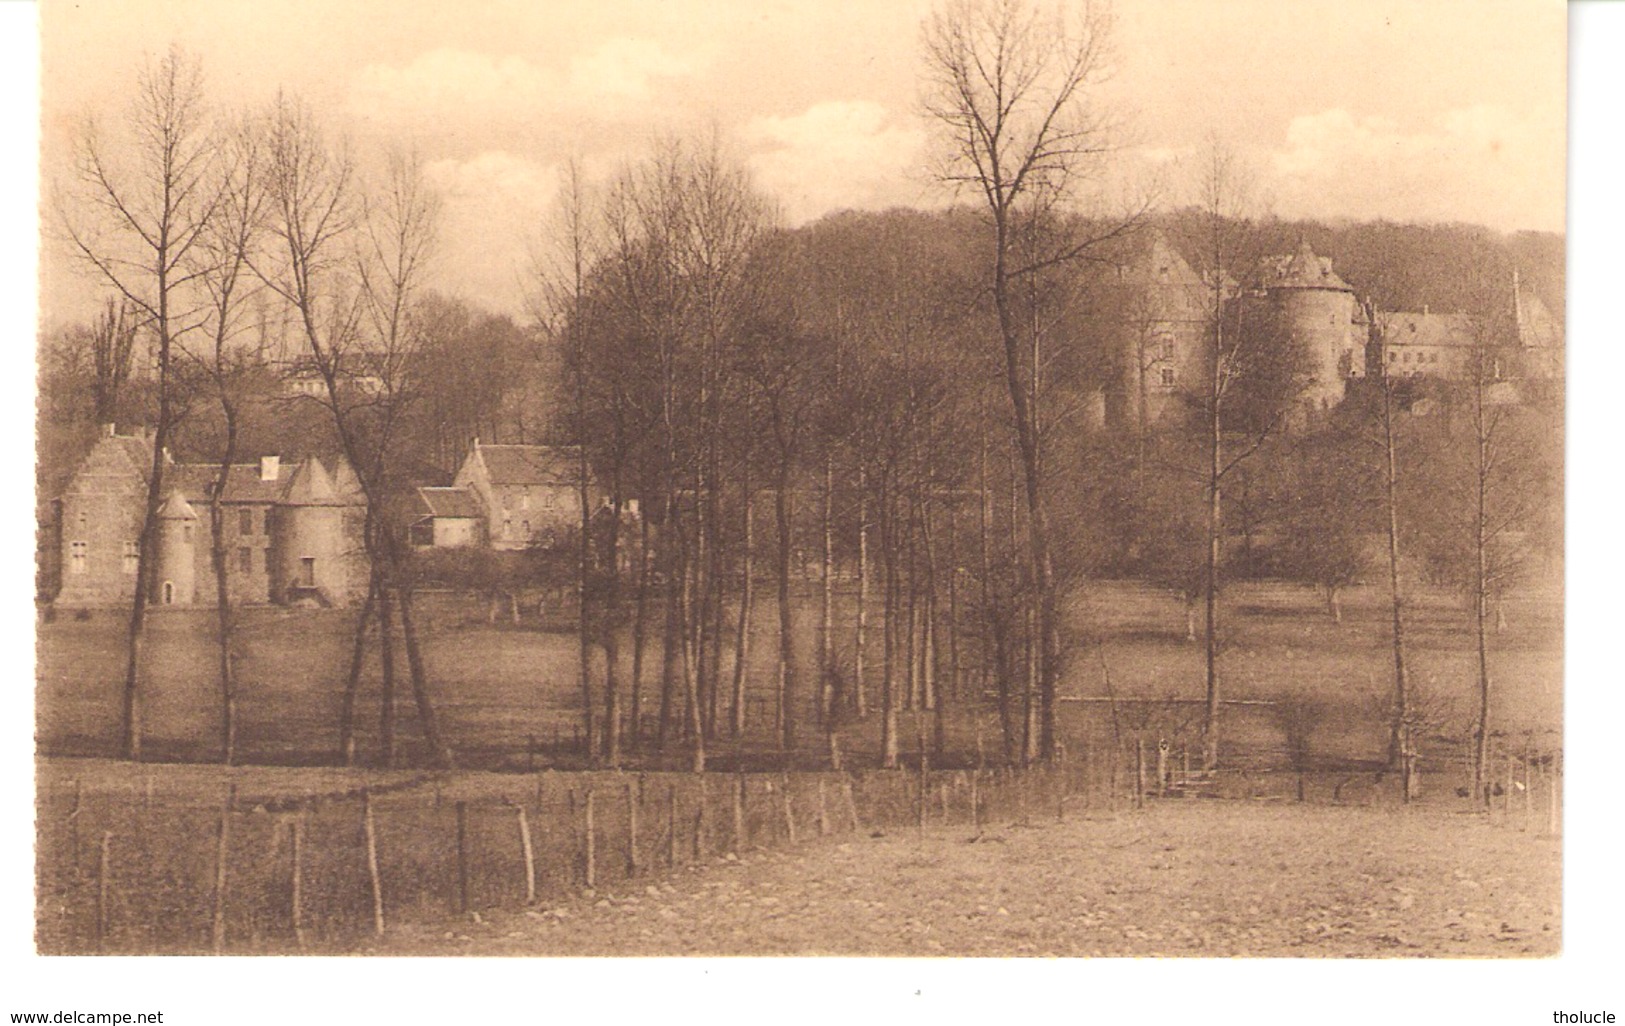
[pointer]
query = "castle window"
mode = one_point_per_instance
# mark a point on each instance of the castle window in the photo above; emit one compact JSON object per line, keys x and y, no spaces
{"x":1406,"y":358}
{"x":1392,"y":355}
{"x":245,"y":560}
{"x":1168,"y":376}
{"x":186,"y":532}
{"x":245,"y":522}
{"x":507,"y":527}
{"x":132,"y":557}
{"x":84,"y":520}
{"x":524,"y":530}
{"x":548,"y":501}
{"x":79,"y":557}
{"x":307,"y":572}
{"x":524,"y":499}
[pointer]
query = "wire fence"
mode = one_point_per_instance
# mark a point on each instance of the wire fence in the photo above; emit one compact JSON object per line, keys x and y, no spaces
{"x":179,"y":870}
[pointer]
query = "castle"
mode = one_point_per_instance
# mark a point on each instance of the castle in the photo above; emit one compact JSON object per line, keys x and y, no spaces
{"x":1165,"y":334}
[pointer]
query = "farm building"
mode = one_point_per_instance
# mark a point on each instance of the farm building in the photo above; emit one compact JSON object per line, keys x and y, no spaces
{"x":525,"y":495}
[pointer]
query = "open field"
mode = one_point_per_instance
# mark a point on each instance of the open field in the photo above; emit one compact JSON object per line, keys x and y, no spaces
{"x":1181,"y":879}
{"x":508,"y":696}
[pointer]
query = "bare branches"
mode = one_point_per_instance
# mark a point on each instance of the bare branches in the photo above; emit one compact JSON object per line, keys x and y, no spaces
{"x":1011,"y":81}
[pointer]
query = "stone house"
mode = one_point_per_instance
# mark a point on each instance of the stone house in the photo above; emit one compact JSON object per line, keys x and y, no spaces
{"x":524,"y":495}
{"x":292,"y":530}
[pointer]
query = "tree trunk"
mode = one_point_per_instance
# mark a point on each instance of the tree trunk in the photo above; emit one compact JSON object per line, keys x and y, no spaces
{"x":742,"y":636}
{"x":1042,"y":567}
{"x":1481,"y":582}
{"x":439,"y":753}
{"x":860,"y":695}
{"x":888,"y":644}
{"x":640,"y":612}
{"x":826,"y":610}
{"x":386,"y":659}
{"x":222,"y":585}
{"x":352,"y":682}
{"x":1399,"y":740}
{"x":1215,"y":552}
{"x":787,"y":654}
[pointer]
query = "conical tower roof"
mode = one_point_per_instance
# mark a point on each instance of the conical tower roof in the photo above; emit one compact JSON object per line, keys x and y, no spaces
{"x":311,"y":486}
{"x":176,"y":508}
{"x":1305,"y":270}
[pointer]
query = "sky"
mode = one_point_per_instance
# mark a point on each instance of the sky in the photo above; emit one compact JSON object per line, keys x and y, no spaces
{"x":1430,"y":110}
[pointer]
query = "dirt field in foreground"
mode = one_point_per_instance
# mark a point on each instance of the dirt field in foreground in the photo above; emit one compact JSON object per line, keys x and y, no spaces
{"x":1196,"y":879}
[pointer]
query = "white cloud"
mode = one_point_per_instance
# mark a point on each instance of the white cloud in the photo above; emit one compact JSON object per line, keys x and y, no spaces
{"x":836,"y":155}
{"x":468,"y":86}
{"x":1483,"y":164}
{"x":624,"y":69}
{"x":495,"y":204}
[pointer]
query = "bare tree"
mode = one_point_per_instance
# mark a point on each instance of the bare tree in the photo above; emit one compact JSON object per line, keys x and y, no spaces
{"x":229,"y":283}
{"x":138,"y":222}
{"x":350,"y":266}
{"x":1248,"y":390}
{"x":1014,"y":86}
{"x":112,"y":337}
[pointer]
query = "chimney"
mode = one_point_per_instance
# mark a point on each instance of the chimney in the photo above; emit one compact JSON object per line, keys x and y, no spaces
{"x":269,"y":467}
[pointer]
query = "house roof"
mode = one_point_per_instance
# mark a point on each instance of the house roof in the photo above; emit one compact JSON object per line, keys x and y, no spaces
{"x":531,"y":464}
{"x":1426,"y":329}
{"x":1302,"y":270}
{"x":243,"y":483}
{"x":449,"y":502}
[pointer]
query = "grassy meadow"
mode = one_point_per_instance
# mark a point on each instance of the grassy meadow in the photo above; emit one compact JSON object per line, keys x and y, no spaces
{"x":503,"y":689}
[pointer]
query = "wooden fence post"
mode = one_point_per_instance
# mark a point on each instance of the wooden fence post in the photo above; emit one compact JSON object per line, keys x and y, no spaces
{"x":942,"y":794}
{"x":589,"y":843}
{"x":73,"y":826}
{"x":789,"y":816}
{"x":1162,"y":768}
{"x":1139,"y":772}
{"x":700,"y":823}
{"x":738,"y":836}
{"x":631,"y":829}
{"x":1506,"y":786}
{"x":462,"y":858}
{"x":671,"y":826}
{"x":823,"y":811}
{"x":851,"y":806}
{"x":528,"y":852}
{"x":370,"y":832}
{"x":296,"y":882}
{"x":104,"y":872}
{"x":976,"y":801}
{"x":1555,"y":805}
{"x":217,"y":932}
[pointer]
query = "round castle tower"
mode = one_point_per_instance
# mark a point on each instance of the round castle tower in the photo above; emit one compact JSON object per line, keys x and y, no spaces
{"x":175,"y":583}
{"x":1316,"y":308}
{"x":308,"y":540}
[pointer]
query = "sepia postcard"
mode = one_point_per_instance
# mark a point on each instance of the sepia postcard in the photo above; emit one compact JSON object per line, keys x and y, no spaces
{"x":963,"y":481}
